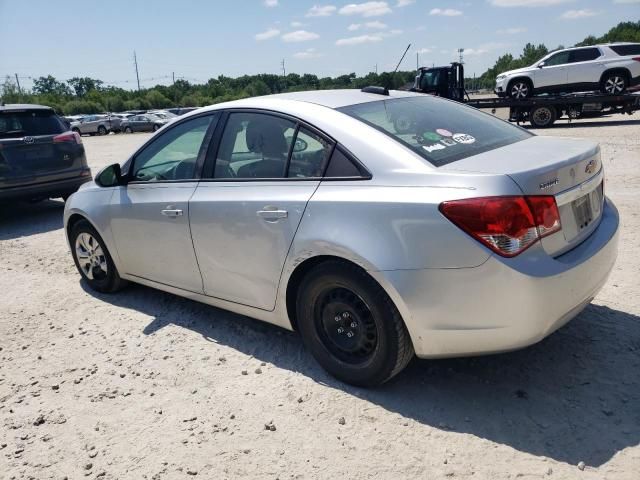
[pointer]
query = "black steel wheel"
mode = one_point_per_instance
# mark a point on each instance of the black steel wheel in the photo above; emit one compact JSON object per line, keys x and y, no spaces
{"x":543,"y":116}
{"x":350,"y":325}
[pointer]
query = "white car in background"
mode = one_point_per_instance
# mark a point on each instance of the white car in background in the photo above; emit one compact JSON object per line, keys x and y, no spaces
{"x":609,"y":68}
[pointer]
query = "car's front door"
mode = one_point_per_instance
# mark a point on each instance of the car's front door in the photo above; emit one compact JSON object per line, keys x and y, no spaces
{"x":584,"y":68}
{"x":150,"y":215}
{"x":552,"y":74}
{"x":245,"y":215}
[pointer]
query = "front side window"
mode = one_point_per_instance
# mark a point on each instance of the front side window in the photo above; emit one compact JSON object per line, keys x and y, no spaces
{"x":174,"y":154}
{"x":558,"y":59}
{"x":440,"y":131}
{"x":254,"y":145}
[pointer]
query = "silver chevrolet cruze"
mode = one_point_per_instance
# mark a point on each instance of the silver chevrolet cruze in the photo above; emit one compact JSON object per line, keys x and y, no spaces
{"x":377,"y":224}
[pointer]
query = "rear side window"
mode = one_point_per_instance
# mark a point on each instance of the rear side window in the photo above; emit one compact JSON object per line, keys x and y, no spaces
{"x":440,"y":131}
{"x":624,"y":50}
{"x":584,"y":55}
{"x":341,"y":166}
{"x":29,"y":123}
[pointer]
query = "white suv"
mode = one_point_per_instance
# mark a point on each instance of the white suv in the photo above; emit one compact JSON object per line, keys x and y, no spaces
{"x":609,"y":68}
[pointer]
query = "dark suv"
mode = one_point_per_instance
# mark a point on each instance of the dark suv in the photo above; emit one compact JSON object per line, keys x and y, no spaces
{"x":39,"y":157}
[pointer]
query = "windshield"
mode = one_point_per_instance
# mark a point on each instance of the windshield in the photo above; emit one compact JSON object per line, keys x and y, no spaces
{"x":16,"y":124}
{"x":440,"y":131}
{"x":430,"y":79}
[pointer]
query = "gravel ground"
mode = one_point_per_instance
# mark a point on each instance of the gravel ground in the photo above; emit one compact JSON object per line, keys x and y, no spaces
{"x":144,"y":384}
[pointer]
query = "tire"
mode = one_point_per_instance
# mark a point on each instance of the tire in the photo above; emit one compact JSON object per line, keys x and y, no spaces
{"x":614,"y":83}
{"x":542,"y":116}
{"x":520,"y":89}
{"x":351,"y":326}
{"x":102,"y":130}
{"x":77,"y":130}
{"x":92,"y":259}
{"x":156,"y":128}
{"x":128,"y":130}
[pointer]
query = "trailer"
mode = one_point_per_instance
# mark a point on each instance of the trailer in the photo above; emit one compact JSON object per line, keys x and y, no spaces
{"x":540,"y":111}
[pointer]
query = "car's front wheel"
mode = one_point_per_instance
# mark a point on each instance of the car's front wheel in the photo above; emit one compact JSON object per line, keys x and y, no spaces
{"x":520,"y":89}
{"x":351,"y":326}
{"x":102,"y":130}
{"x":614,"y":83}
{"x":128,"y":130}
{"x":156,"y":128}
{"x":92,"y":258}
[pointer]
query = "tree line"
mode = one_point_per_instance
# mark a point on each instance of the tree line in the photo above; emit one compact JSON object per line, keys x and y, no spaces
{"x":90,"y":95}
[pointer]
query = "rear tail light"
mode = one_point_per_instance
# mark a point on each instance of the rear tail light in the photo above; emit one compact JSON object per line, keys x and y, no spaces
{"x":68,"y":137}
{"x":507,"y":225}
{"x":637,"y":59}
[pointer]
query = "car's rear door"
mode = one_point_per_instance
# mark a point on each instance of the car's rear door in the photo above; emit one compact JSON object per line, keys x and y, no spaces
{"x":33,"y":148}
{"x":585,"y":69}
{"x":150,"y":215}
{"x":245,"y":212}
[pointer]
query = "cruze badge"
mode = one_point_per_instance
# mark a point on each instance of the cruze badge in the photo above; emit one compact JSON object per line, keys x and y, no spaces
{"x":591,"y":166}
{"x":549,"y":184}
{"x":28,"y":139}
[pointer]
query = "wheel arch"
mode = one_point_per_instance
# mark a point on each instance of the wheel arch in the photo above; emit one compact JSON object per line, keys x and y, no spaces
{"x":524,"y":78}
{"x":623,"y":70}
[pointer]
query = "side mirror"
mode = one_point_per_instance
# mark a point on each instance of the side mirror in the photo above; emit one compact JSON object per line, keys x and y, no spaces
{"x":110,"y":176}
{"x":541,"y":64}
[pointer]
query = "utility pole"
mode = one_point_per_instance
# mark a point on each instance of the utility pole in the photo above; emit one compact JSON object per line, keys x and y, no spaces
{"x":376,"y":68}
{"x":460,"y":51}
{"x":284,"y":72}
{"x":173,"y":77}
{"x":417,"y":60}
{"x":135,"y":61}
{"x":18,"y":82}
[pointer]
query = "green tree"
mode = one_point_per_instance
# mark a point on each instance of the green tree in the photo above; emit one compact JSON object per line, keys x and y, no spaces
{"x":83,"y":85}
{"x":157,"y":99}
{"x":49,"y":85}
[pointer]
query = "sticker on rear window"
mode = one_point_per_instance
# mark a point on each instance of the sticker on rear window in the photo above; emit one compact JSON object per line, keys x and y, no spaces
{"x":434,"y":147}
{"x":448,"y":142}
{"x":464,"y":138}
{"x":443,"y":132}
{"x":434,"y":137}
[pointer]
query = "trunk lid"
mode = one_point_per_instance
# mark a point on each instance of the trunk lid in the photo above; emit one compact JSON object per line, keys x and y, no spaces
{"x":569,"y":169}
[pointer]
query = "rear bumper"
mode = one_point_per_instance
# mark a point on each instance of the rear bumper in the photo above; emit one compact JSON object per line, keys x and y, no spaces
{"x":43,"y":190}
{"x":503,"y":304}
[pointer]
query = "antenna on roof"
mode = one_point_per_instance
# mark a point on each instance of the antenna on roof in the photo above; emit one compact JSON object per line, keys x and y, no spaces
{"x":402,"y":58}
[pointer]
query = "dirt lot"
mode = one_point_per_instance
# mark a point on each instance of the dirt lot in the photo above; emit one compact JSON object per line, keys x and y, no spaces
{"x":144,"y":384}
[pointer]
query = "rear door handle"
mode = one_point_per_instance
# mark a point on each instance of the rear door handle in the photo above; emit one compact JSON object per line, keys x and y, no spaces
{"x":272,"y":213}
{"x":172,"y":212}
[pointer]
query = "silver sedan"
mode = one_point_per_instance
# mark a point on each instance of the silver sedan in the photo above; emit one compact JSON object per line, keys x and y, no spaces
{"x":377,"y":225}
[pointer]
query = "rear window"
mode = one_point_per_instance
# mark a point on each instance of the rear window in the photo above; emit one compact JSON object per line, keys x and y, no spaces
{"x":624,"y":50}
{"x":440,"y":131}
{"x":29,"y":123}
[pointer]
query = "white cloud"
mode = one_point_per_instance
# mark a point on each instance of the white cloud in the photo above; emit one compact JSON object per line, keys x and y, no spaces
{"x":299,"y":36}
{"x":511,"y":31}
{"x":307,"y":54}
{"x":425,"y":50}
{"x":359,"y":40}
{"x":527,"y":3}
{"x":404,"y":3}
{"x":446,"y":12}
{"x":270,"y":3}
{"x":366,"y":9}
{"x":576,"y":14}
{"x":297,"y":24}
{"x":272,"y":32}
{"x":375,"y":25}
{"x":321,"y":11}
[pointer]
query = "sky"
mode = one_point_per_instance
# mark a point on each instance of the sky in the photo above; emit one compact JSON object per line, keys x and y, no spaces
{"x":197,"y":39}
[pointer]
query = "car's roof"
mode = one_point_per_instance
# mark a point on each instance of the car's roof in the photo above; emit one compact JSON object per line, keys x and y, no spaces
{"x":22,"y":106}
{"x":339,"y":98}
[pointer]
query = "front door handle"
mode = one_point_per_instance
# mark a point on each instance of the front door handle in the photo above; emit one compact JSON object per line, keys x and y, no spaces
{"x":171,"y":212}
{"x":270,"y":213}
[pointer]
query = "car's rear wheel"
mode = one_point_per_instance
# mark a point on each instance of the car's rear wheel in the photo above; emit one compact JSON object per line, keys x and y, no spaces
{"x":102,"y":130}
{"x":520,"y":89}
{"x":614,"y":83}
{"x":93,"y":259}
{"x":156,"y":128}
{"x":542,"y":116}
{"x":128,"y":130}
{"x":351,"y":326}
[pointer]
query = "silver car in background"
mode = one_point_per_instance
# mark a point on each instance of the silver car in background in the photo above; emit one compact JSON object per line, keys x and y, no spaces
{"x":460,"y":235}
{"x":97,"y":124}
